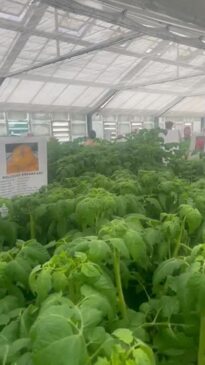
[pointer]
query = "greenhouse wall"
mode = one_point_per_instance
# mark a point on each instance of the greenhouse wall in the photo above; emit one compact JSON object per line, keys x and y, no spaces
{"x":68,"y":126}
{"x":62,"y":125}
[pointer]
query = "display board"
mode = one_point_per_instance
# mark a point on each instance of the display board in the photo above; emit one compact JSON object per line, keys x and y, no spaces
{"x":23,"y":165}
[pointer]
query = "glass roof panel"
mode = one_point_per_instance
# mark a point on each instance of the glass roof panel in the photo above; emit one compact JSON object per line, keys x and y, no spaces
{"x":13,"y":7}
{"x":113,"y":70}
{"x":153,"y":71}
{"x":30,"y":53}
{"x":6,"y":39}
{"x":135,"y":100}
{"x":89,"y":97}
{"x":179,"y":86}
{"x":146,"y":62}
{"x":194,"y":104}
{"x":47,"y":22}
{"x":70,"y":94}
{"x":49,"y":93}
{"x":6,"y":88}
{"x":144,"y":44}
{"x":199,"y":60}
{"x":160,"y":102}
{"x":119,"y":99}
{"x":25,"y":91}
{"x":179,"y":52}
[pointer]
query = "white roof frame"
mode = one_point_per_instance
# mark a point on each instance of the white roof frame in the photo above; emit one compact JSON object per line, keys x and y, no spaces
{"x":112,"y":12}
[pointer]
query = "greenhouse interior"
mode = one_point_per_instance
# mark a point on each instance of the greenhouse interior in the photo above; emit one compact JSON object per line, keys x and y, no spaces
{"x":102,"y":182}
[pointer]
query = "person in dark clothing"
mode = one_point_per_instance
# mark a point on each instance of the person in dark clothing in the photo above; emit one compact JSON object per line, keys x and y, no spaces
{"x":91,"y":139}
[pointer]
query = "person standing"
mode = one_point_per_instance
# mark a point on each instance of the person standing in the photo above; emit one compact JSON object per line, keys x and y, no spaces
{"x":171,"y":135}
{"x":91,"y":141}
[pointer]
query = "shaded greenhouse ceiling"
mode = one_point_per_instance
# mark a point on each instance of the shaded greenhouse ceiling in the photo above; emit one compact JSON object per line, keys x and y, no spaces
{"x":90,"y":55}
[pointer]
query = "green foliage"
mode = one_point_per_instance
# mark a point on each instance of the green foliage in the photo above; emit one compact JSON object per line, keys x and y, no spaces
{"x":118,"y":275}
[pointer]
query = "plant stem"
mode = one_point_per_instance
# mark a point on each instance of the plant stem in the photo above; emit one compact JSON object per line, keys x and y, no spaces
{"x":201,"y":349}
{"x":32,"y":227}
{"x":178,"y":243}
{"x":118,"y":281}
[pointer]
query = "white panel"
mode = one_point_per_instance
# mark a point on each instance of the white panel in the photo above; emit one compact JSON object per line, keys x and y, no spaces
{"x":48,"y":93}
{"x":194,"y":104}
{"x":41,"y":130}
{"x":160,"y":102}
{"x":30,"y":52}
{"x":69,"y":95}
{"x":144,"y":44}
{"x":101,"y":31}
{"x":140,"y":101}
{"x":3,"y":129}
{"x":48,"y":21}
{"x":89,"y":96}
{"x":6,"y":88}
{"x":98,"y":128}
{"x":13,"y":8}
{"x":145,"y":102}
{"x":108,"y":68}
{"x":155,"y":71}
{"x":118,"y":100}
{"x":178,"y":86}
{"x":124,"y":128}
{"x":17,"y":115}
{"x":6,"y":39}
{"x":25,"y":91}
{"x":135,"y":100}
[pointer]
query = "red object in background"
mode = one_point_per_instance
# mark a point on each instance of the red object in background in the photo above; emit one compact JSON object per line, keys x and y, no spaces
{"x":200,"y":143}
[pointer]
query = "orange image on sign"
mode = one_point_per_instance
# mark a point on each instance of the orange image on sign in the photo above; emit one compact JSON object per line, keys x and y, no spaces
{"x":22,"y":158}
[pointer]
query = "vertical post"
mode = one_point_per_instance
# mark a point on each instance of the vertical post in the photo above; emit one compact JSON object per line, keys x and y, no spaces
{"x":89,"y":122}
{"x":202,"y":124}
{"x":29,"y":121}
{"x":7,"y":123}
{"x":156,"y":122}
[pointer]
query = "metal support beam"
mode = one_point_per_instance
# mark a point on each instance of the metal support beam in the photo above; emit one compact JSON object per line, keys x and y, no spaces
{"x":103,"y":101}
{"x":37,"y":11}
{"x":118,"y":87}
{"x":15,"y":26}
{"x":1,"y":80}
{"x":183,"y":11}
{"x":162,"y":32}
{"x":134,"y":70}
{"x":89,"y":123}
{"x":170,"y":106}
{"x":81,"y":52}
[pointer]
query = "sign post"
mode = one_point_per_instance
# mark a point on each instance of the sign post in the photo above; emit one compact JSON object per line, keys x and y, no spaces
{"x":23,"y":165}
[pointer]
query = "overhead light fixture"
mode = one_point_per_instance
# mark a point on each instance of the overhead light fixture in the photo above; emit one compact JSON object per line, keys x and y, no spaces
{"x":107,"y":101}
{"x":110,"y":123}
{"x":149,"y":26}
{"x":175,"y":32}
{"x":202,"y":39}
{"x":91,"y":4}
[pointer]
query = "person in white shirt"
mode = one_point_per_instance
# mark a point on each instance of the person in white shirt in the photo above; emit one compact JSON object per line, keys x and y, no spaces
{"x":171,"y":135}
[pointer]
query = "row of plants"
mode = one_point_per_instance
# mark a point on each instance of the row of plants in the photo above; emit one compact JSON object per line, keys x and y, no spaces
{"x":106,"y":268}
{"x":142,"y":151}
